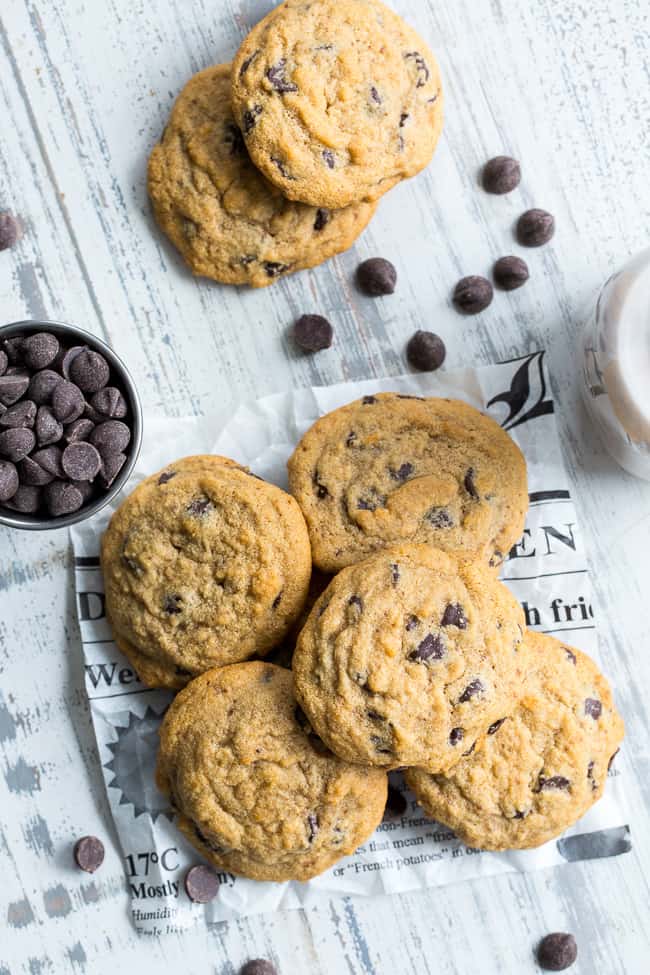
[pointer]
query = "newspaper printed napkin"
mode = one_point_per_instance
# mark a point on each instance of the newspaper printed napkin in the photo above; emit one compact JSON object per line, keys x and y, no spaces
{"x":546,"y":571}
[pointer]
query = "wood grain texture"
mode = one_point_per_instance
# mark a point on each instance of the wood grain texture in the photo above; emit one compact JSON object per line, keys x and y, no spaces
{"x":85,"y":88}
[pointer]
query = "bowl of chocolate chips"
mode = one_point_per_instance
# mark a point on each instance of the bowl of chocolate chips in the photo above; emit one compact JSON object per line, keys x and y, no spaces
{"x":70,"y":425}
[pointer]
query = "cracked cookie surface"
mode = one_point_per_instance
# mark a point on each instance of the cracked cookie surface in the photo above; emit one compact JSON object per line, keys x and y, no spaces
{"x":390,"y":468}
{"x":408,"y":657}
{"x":225,"y":218}
{"x":542,"y":767}
{"x":255,"y":792}
{"x":204,"y":564}
{"x":337,"y":100}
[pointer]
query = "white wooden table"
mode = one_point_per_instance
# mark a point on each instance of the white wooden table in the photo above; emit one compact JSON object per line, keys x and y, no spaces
{"x":84,"y":91}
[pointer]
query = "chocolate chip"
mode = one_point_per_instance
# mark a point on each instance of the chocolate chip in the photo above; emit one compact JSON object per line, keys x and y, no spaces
{"x":431,"y":648}
{"x":78,"y":430}
{"x":456,"y":735}
{"x":552,"y":782}
{"x":276,"y":75}
{"x":403,"y":472}
{"x":322,"y":218}
{"x":234,"y":139}
{"x":312,"y":823}
{"x":520,"y":814}
{"x":422,"y":71}
{"x":425,"y":351}
{"x":593,"y":708}
{"x":454,"y":615}
{"x":48,"y":428}
{"x":282,"y":169}
{"x":472,"y":294}
{"x":81,"y":461}
{"x":368,"y":400}
{"x":381,"y":745}
{"x":250,"y":117}
{"x":110,"y":437}
{"x":510,"y":272}
{"x":259,"y":966}
{"x":312,"y":333}
{"x":439,"y":518}
{"x":49,"y":459}
{"x":497,"y":557}
{"x":27,"y":499}
{"x":356,"y":601}
{"x":16,"y":443}
{"x":4,"y":362}
{"x":469,"y":750}
{"x":328,"y":156}
{"x":374,"y":94}
{"x":89,"y":370}
{"x":570,"y":655}
{"x":21,"y":414}
{"x":494,"y":727}
{"x":374,"y":501}
{"x":68,"y":358}
{"x":394,"y":573}
{"x":112,"y":464}
{"x":473,"y":688}
{"x":557,"y":951}
{"x":411,"y":623}
{"x":396,"y":804}
{"x":590,"y":773}
{"x":89,"y":853}
{"x":278,"y":599}
{"x":42,"y":386}
{"x":85,"y":488}
{"x":109,"y":402}
{"x":10,"y":231}
{"x":8,"y":480}
{"x":67,"y":402}
{"x":535,"y":227}
{"x":501,"y":175}
{"x":173,"y":605}
{"x":321,"y":490}
{"x":12,"y":387}
{"x":351,"y":439}
{"x":274,"y":268}
{"x":201,"y":884}
{"x":199,"y":506}
{"x":376,"y":277}
{"x":469,"y":484}
{"x":13,"y":348}
{"x":33,"y":474}
{"x":402,"y":119}
{"x":40,"y":350}
{"x":62,"y":498}
{"x":166,"y":476}
{"x":247,"y":63}
{"x":375,"y":715}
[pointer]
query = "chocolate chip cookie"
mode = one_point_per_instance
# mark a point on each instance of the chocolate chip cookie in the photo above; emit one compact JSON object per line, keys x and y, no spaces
{"x":337,"y":100}
{"x":391,"y":468}
{"x":228,"y":222}
{"x":539,"y":769}
{"x":408,"y":657}
{"x":204,"y":564}
{"x":255,"y":791}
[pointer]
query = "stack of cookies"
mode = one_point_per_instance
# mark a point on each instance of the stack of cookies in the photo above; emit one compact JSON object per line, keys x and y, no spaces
{"x":275,"y":162}
{"x":379,"y":572}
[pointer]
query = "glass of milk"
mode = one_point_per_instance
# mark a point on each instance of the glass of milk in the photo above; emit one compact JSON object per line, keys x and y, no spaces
{"x":616,"y":365}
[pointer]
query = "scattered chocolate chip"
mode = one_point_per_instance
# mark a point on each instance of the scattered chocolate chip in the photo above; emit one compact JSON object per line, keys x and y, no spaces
{"x":62,"y":498}
{"x":510,"y":272}
{"x":520,"y":814}
{"x":16,"y":443}
{"x":593,"y":708}
{"x":425,"y":351}
{"x":570,"y":655}
{"x":469,"y":483}
{"x":535,"y":227}
{"x":49,"y":459}
{"x":456,"y":735}
{"x":110,"y":437}
{"x":328,"y":156}
{"x":374,"y":94}
{"x":321,"y":490}
{"x":454,"y":615}
{"x":89,"y":853}
{"x":439,"y":518}
{"x":497,"y":557}
{"x":356,"y":601}
{"x":21,"y":414}
{"x":312,"y":333}
{"x":403,"y":472}
{"x":376,"y":277}
{"x":394,"y":573}
{"x":79,"y":430}
{"x":374,"y":501}
{"x":312,"y":823}
{"x":112,"y":464}
{"x":282,"y":169}
{"x":473,"y":688}
{"x":422,"y":71}
{"x":166,"y":476}
{"x":9,"y":482}
{"x":67,"y":402}
{"x":321,"y":219}
{"x":431,"y":648}
{"x":259,"y":966}
{"x":351,"y":439}
{"x":501,"y":175}
{"x":89,"y":371}
{"x":396,"y":804}
{"x":42,"y":385}
{"x":201,"y":884}
{"x":469,"y":750}
{"x":274,"y":268}
{"x":276,"y":75}
{"x":109,"y":402}
{"x":472,"y":294}
{"x":381,"y":745}
{"x":368,"y":400}
{"x":494,"y":727}
{"x":557,"y":951}
{"x":247,"y":63}
{"x":10,"y":231}
{"x":411,"y":623}
{"x":26,"y":500}
{"x":48,"y":428}
{"x":278,"y":599}
{"x":81,"y":461}
{"x":12,"y":387}
{"x":552,"y":782}
{"x":250,"y":117}
{"x":199,"y":506}
{"x":173,"y":605}
{"x":33,"y":474}
{"x":402,"y":119}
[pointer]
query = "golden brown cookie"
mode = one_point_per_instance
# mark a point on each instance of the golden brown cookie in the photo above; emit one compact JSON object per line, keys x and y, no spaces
{"x":541,"y":768}
{"x":408,"y":657}
{"x":254,"y":792}
{"x":337,"y":100}
{"x":228,"y":222}
{"x":392,"y":468}
{"x":204,"y":564}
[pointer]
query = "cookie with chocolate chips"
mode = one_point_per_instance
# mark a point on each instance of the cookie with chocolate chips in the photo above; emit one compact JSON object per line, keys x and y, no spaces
{"x":391,"y":468}
{"x":337,"y":100}
{"x":204,"y":565}
{"x":254,"y":791}
{"x":228,"y":222}
{"x":542,"y":767}
{"x":408,"y":658}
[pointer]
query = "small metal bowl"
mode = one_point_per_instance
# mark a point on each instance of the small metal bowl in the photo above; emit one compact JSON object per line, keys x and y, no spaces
{"x":71,"y":335}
